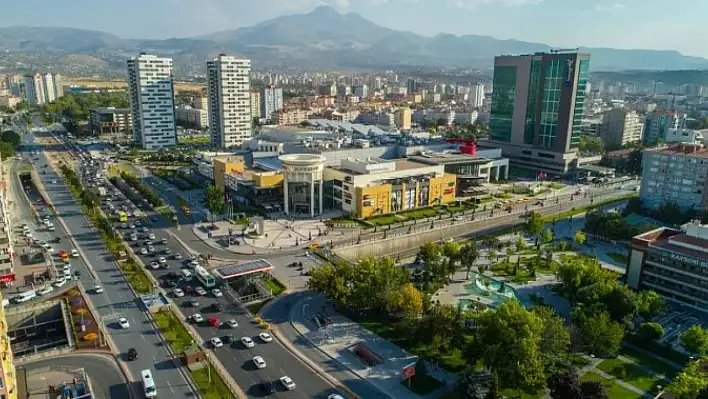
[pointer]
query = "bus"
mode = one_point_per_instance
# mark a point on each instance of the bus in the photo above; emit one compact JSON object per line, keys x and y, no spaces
{"x":205,"y":277}
{"x":122,"y":216}
{"x":149,"y":384}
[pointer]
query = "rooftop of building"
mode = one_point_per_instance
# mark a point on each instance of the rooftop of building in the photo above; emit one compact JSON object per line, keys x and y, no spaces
{"x":696,"y":150}
{"x":441,"y":158}
{"x":691,"y":240}
{"x":399,"y":165}
{"x":109,"y":110}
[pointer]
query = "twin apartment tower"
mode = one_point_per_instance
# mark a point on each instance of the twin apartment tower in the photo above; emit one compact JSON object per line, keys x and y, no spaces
{"x":152,"y":101}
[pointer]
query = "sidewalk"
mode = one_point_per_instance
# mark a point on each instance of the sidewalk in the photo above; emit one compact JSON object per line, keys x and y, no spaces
{"x":337,"y":339}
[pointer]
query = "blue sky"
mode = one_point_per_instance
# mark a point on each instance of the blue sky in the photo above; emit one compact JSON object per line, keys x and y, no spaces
{"x":650,"y":24}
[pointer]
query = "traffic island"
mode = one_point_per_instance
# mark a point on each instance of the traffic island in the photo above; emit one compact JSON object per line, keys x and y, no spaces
{"x":86,"y":329}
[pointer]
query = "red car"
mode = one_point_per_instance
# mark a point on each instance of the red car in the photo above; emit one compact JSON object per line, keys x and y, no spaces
{"x":213,"y":321}
{"x":200,"y":291}
{"x":188,"y":289}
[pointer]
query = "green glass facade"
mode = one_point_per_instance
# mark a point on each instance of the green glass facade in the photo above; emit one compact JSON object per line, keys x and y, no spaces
{"x":534,"y":83}
{"x":503,"y":98}
{"x":550,"y":102}
{"x":579,"y":110}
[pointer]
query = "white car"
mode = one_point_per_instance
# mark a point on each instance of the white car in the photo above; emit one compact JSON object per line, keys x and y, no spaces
{"x":217,"y":292}
{"x":265,"y":337}
{"x":164,"y":240}
{"x":151,"y":236}
{"x":178,"y":293}
{"x":162,"y":260}
{"x":98,"y":289}
{"x":197,"y":318}
{"x":44,"y":244}
{"x":247,"y":342}
{"x":151,"y":249}
{"x":28,"y":235}
{"x":123,"y":322}
{"x":193,"y":264}
{"x":143,"y":251}
{"x":232,"y":323}
{"x":178,"y":256}
{"x":154,"y":265}
{"x":259,"y":362}
{"x":46,"y":290}
{"x":335,"y":396}
{"x":287,"y":382}
{"x":50,"y":249}
{"x":216,"y":342}
{"x":74,"y":253}
{"x":59,"y":282}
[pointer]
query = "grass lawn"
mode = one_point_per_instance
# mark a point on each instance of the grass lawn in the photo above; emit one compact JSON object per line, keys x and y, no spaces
{"x":630,"y":373}
{"x":614,"y":390}
{"x":618,"y":257}
{"x":504,"y":195}
{"x":192,"y":140}
{"x":213,"y":388}
{"x":384,"y":220}
{"x":513,"y":393}
{"x":422,"y":384}
{"x":650,"y":362}
{"x":276,"y":286}
{"x":556,"y":186}
{"x":173,"y":330}
{"x":116,"y":170}
{"x":419,"y":213}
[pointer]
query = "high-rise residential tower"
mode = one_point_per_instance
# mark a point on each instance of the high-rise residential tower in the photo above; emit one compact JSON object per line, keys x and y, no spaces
{"x":34,"y":89}
{"x":229,"y":93}
{"x":50,"y":92}
{"x":537,"y":109}
{"x":152,"y":101}
{"x":271,"y":101}
{"x":477,"y":95}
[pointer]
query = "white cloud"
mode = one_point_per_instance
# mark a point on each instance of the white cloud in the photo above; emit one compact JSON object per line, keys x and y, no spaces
{"x":609,"y":7}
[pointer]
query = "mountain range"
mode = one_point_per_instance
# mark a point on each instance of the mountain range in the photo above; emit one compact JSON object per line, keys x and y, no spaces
{"x":322,"y":38}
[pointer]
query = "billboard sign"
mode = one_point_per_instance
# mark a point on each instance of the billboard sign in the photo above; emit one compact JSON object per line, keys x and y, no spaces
{"x":569,"y":73}
{"x":7,"y":278}
{"x":408,"y":371}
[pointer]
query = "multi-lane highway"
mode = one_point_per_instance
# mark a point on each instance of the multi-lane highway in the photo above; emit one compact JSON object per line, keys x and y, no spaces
{"x":235,"y":357}
{"x":117,"y":299}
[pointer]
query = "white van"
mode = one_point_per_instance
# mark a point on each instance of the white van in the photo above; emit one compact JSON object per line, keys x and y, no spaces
{"x":25,"y":296}
{"x":186,"y":275}
{"x":148,"y":384}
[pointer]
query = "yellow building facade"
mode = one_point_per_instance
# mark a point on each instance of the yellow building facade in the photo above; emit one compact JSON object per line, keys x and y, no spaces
{"x":375,"y":200}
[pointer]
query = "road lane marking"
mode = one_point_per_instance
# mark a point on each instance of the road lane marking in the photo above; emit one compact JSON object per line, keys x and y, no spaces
{"x":170,"y":386}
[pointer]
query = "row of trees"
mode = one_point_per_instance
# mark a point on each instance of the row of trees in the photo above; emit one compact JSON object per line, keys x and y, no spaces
{"x":436,"y":263}
{"x":669,"y":213}
{"x":152,"y":198}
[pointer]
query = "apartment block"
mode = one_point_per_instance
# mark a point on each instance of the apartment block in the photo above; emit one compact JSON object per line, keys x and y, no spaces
{"x":229,"y":93}
{"x":152,"y":101}
{"x":621,"y":126}
{"x":256,"y":103}
{"x":675,"y":175}
{"x":34,"y":89}
{"x":191,"y":118}
{"x":658,"y":124}
{"x":271,"y":101}
{"x":402,"y":118}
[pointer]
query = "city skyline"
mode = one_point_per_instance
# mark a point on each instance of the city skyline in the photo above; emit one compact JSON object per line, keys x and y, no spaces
{"x":553,"y":22}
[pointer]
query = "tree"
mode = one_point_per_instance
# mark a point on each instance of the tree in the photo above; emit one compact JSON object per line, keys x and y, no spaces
{"x":650,"y":304}
{"x":11,"y":137}
{"x":451,"y":251}
{"x":695,"y":339}
{"x":214,"y":200}
{"x":406,"y":301}
{"x":7,"y":150}
{"x":599,"y":334}
{"x":468,"y":256}
{"x":564,"y":386}
{"x":691,"y":383}
{"x":593,"y":390}
{"x":534,"y":225}
{"x":620,"y":302}
{"x":510,"y":341}
{"x":474,"y":385}
{"x":89,"y":198}
{"x":555,"y":338}
{"x":547,"y":236}
{"x":579,"y":237}
{"x":651,"y":331}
